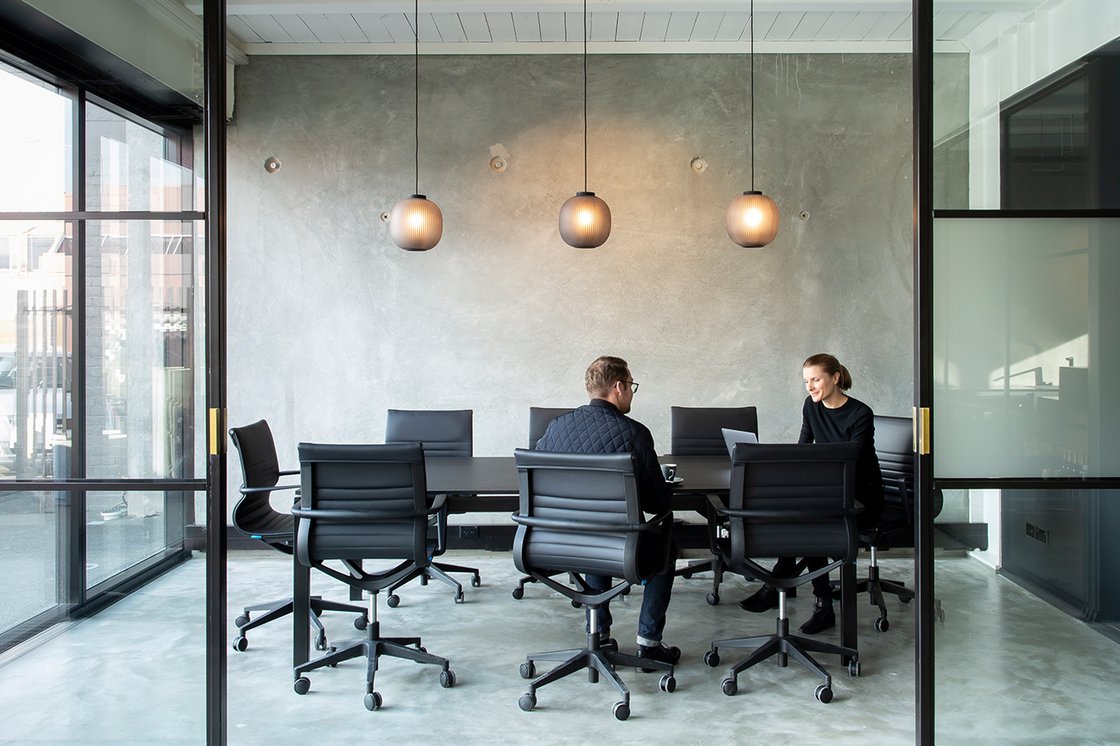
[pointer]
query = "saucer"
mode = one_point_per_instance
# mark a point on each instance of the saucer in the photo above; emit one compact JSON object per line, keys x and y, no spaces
{"x":674,"y":480}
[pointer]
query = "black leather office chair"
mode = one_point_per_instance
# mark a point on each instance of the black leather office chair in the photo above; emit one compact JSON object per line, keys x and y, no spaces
{"x":443,"y":433}
{"x":786,"y":500}
{"x":581,"y":514}
{"x":894,"y":447}
{"x":254,"y":516}
{"x":698,"y":431}
{"x":539,"y":419}
{"x":367,"y":502}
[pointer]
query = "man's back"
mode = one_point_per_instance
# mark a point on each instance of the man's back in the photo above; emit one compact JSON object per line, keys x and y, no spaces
{"x":599,"y":427}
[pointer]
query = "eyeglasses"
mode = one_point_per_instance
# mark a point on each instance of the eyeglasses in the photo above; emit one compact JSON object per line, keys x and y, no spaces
{"x":632,"y":384}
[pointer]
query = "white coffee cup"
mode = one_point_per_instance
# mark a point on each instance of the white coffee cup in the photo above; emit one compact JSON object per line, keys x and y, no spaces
{"x":668,"y":471}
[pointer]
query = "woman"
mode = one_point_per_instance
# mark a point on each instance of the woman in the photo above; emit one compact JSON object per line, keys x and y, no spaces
{"x":830,"y":416}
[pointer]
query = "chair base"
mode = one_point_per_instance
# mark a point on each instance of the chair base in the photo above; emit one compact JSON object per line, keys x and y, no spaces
{"x":785,"y":646}
{"x":438,"y":571}
{"x":599,"y":662}
{"x":876,"y":587}
{"x":713,"y":565}
{"x":372,"y":648}
{"x":282,"y":607}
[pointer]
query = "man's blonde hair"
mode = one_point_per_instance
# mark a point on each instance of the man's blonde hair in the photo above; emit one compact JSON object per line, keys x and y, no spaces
{"x":603,"y":373}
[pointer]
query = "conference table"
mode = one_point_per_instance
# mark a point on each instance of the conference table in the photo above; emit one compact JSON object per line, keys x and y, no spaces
{"x":489,"y":484}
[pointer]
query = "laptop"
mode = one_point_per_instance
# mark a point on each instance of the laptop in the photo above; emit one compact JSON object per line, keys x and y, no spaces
{"x":731,"y":437}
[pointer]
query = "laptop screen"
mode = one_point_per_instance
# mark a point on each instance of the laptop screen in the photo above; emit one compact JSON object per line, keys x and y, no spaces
{"x":731,"y":437}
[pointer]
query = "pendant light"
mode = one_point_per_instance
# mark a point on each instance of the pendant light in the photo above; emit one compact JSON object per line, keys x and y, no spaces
{"x":416,"y":224}
{"x":752,"y":218}
{"x":585,"y":220}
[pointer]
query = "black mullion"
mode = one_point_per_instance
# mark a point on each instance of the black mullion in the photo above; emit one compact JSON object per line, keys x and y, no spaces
{"x":78,"y":440}
{"x":923,"y":365}
{"x":214,"y":36}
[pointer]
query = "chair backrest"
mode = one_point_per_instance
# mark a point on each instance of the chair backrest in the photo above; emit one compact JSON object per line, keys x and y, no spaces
{"x":443,"y":432}
{"x":253,"y":513}
{"x":573,"y":488}
{"x":894,"y":447}
{"x":698,"y":431}
{"x":365,"y":502}
{"x":539,"y":419}
{"x":802,"y":498}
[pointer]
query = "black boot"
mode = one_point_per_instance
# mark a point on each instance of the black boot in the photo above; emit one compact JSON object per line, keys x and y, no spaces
{"x":764,"y":599}
{"x":823,"y":617}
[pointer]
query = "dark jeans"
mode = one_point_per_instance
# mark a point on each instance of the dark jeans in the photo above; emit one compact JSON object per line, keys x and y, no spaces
{"x":655,"y":602}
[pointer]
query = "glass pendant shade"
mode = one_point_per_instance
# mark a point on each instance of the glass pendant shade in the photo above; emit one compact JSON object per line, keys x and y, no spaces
{"x":416,"y":224}
{"x":585,"y":221}
{"x":752,"y":220}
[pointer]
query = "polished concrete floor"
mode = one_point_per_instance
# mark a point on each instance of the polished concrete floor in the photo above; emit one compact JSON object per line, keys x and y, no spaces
{"x":1011,"y":669}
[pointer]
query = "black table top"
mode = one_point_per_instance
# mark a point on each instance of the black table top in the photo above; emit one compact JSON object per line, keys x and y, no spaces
{"x":489,"y":483}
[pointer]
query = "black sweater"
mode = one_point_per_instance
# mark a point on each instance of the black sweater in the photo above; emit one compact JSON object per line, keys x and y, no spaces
{"x":853,"y":420}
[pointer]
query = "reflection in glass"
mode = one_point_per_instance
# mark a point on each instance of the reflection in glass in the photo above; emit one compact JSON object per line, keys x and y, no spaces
{"x":35,"y":143}
{"x":32,"y":571}
{"x":1026,"y":340}
{"x":141,"y":348}
{"x":36,"y":348}
{"x":131,"y":166}
{"x":122,"y":529}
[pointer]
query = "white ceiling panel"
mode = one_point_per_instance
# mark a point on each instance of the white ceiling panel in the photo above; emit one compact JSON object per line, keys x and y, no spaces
{"x":636,"y":26}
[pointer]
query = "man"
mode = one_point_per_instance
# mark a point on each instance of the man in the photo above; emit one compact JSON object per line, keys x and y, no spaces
{"x":603,"y":427}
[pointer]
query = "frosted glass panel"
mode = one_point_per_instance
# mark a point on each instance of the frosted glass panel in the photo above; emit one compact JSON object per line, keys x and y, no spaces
{"x":1026,"y":342}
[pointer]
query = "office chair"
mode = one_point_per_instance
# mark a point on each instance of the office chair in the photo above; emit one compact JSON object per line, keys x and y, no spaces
{"x":443,"y":433}
{"x":698,"y":431}
{"x":786,"y":500}
{"x":539,"y":419}
{"x":254,"y":516}
{"x":895,"y":528}
{"x":580,"y":514}
{"x":367,"y":502}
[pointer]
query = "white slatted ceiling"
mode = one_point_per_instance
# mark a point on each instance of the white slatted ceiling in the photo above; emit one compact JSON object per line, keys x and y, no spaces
{"x":680,"y":27}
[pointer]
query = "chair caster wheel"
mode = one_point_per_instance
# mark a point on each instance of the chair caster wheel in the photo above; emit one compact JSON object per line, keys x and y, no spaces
{"x":882,"y":624}
{"x":242,"y":620}
{"x":527,"y":702}
{"x":518,"y":593}
{"x":668,"y":683}
{"x":302,"y":685}
{"x":321,"y":642}
{"x":712,"y":599}
{"x":421,"y":648}
{"x":361,"y":622}
{"x":729,"y":687}
{"x":905,"y":599}
{"x":824,"y":694}
{"x":686,"y":574}
{"x":711,"y":658}
{"x":626,"y":592}
{"x":240,"y":644}
{"x":394,"y":600}
{"x":576,"y":604}
{"x":476,"y":582}
{"x":447,"y":678}
{"x":621,"y":710}
{"x":373,"y":701}
{"x":459,"y":596}
{"x":527,"y":670}
{"x":854,"y":668}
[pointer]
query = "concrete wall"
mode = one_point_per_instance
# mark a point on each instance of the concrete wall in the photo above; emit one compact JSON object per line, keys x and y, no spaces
{"x":330,"y":324}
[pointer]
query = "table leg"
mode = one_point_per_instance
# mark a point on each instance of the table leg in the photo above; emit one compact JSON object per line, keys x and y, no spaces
{"x":849,"y":631}
{"x":301,"y":608}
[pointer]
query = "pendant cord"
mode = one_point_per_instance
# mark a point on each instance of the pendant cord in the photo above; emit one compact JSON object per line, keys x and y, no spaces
{"x":752,"y":95}
{"x":585,"y":95}
{"x":416,"y":108}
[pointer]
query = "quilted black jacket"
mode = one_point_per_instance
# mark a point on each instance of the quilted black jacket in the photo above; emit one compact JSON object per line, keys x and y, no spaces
{"x":599,"y":427}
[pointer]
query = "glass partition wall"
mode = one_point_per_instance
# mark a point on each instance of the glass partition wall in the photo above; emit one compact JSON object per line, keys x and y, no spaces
{"x":102,"y":424}
{"x":1026,"y":333}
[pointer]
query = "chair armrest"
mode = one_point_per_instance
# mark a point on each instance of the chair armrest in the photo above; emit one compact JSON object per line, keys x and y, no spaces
{"x":557,"y":524}
{"x":274,"y":488}
{"x":775,"y":515}
{"x":359,"y":516}
{"x":289,"y":472}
